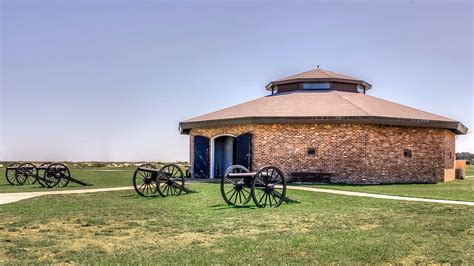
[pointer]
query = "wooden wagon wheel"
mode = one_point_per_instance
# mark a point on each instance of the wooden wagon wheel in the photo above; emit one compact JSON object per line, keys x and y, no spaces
{"x":144,"y":181}
{"x":170,"y":180}
{"x":65,"y":175}
{"x":268,"y":187}
{"x":40,"y":173}
{"x":56,"y":174}
{"x":10,"y":174}
{"x":236,"y":189}
{"x":25,"y":174}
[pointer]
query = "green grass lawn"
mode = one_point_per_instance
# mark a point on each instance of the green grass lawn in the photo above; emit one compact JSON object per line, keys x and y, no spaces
{"x":199,"y":228}
{"x":470,"y":170}
{"x":96,"y":176}
{"x":100,"y":177}
{"x":453,"y":190}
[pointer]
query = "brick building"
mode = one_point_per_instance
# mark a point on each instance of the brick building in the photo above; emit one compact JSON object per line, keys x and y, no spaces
{"x":323,"y":124}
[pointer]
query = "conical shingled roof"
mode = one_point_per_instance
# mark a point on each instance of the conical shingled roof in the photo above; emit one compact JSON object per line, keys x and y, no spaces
{"x":322,"y":107}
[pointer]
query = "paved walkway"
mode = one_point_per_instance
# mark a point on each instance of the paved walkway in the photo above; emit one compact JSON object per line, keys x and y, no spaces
{"x":14,"y":197}
{"x":17,"y":196}
{"x":380,"y":196}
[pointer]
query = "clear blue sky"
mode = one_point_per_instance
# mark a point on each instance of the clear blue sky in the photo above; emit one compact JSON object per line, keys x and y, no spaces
{"x":110,"y":80}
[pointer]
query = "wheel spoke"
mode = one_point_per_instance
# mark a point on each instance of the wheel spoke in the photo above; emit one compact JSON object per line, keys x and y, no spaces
{"x":260,"y":200}
{"x":260,"y":182}
{"x":278,"y":194}
{"x":231,"y":196}
{"x":177,"y":184}
{"x":236,"y":197}
{"x":233,"y":181}
{"x":274,"y":198}
{"x":175,"y":171}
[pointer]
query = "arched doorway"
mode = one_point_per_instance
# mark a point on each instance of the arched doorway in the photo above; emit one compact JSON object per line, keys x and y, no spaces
{"x":223,"y":154}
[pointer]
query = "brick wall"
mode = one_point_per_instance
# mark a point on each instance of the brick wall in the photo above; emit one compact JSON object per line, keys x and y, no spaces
{"x":357,"y":154}
{"x":449,"y":156}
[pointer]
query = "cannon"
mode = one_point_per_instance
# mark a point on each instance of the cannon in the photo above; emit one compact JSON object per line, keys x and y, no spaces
{"x":149,"y":181}
{"x":20,"y":174}
{"x":48,"y":175}
{"x":266,"y":186}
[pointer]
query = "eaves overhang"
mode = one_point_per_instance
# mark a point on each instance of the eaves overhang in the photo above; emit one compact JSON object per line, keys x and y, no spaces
{"x":455,"y":126}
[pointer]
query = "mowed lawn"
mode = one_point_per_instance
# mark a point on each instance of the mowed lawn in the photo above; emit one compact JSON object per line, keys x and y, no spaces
{"x":453,"y":190}
{"x":119,"y":177}
{"x":100,"y":177}
{"x":117,"y":227}
{"x":199,"y":228}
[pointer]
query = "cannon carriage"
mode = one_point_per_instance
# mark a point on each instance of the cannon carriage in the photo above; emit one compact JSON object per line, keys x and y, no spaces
{"x":48,"y":175}
{"x":266,"y":186}
{"x":149,"y":181}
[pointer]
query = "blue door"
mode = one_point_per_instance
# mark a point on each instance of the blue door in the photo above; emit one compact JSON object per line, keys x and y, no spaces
{"x":201,"y":157}
{"x":244,"y":150}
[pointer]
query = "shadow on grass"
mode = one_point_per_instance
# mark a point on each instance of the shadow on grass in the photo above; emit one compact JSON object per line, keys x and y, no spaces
{"x":136,"y":196}
{"x":224,"y":206}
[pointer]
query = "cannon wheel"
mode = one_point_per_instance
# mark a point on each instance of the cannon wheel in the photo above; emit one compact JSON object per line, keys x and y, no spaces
{"x":65,"y":175}
{"x":54,"y":174}
{"x":170,"y":180}
{"x":10,"y":174}
{"x":144,"y":182}
{"x":268,"y":187}
{"x":40,"y":173}
{"x":235,"y":190}
{"x":25,"y":174}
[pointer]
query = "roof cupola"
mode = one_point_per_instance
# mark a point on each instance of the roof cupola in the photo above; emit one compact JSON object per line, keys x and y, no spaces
{"x":317,"y":80}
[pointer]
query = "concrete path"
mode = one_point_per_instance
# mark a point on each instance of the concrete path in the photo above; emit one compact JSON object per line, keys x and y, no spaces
{"x":380,"y":196}
{"x":14,"y":197}
{"x":17,"y":196}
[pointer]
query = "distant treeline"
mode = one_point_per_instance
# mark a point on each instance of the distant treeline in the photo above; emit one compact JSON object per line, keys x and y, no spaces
{"x":465,"y":156}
